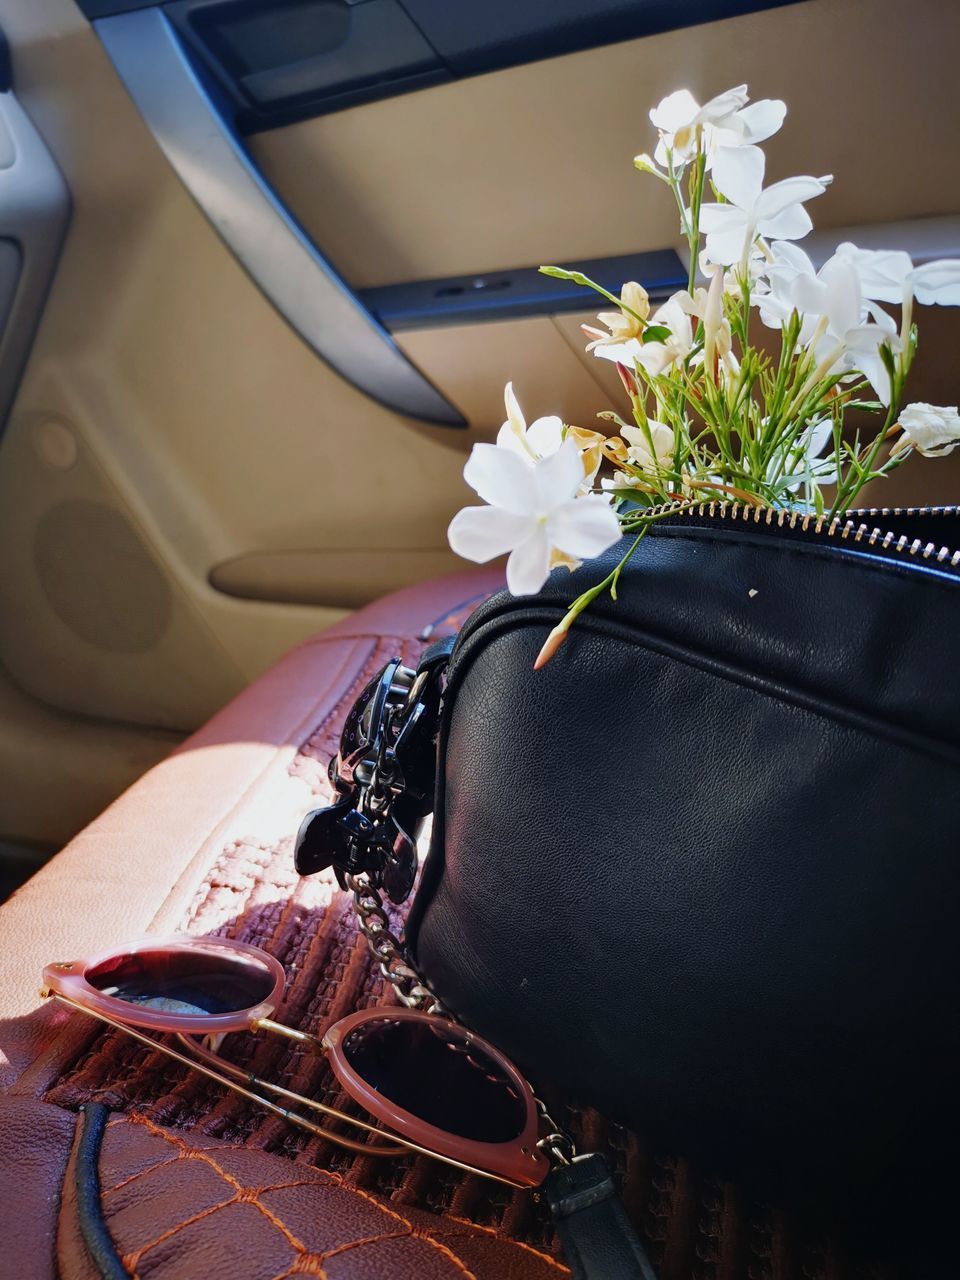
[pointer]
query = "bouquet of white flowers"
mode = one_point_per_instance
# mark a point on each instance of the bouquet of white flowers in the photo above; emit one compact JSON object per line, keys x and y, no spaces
{"x":715,"y":416}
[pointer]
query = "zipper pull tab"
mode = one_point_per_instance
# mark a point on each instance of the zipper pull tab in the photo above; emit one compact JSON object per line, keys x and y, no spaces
{"x":598,"y":1241}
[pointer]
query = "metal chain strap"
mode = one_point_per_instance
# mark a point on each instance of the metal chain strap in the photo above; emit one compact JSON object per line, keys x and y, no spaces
{"x":388,"y":950}
{"x":412,"y":991}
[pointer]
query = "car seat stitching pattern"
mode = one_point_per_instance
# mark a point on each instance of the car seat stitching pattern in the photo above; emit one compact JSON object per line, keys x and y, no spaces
{"x":308,"y":1261}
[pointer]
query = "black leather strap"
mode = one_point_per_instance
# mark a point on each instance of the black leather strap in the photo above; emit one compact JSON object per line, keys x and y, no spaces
{"x":598,"y":1240}
{"x":93,"y":1227}
{"x":436,"y":654}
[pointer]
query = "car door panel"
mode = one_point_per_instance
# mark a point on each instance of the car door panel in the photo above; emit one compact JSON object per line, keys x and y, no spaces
{"x":187,"y":490}
{"x":532,"y":164}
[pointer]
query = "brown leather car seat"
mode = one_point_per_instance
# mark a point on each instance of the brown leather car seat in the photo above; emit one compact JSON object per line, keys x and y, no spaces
{"x":203,"y":842}
{"x":115,"y":1162}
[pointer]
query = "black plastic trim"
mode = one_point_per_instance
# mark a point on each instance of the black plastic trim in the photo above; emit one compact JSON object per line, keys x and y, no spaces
{"x":388,"y":47}
{"x":513,"y":294}
{"x":6,"y":67}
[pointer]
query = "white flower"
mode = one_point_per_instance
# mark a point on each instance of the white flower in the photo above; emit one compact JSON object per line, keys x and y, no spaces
{"x":883,"y":274}
{"x":930,"y":429}
{"x":776,"y":212}
{"x":655,"y":357}
{"x":539,"y":440}
{"x":545,"y":436}
{"x":835,"y":297}
{"x":534,"y":511}
{"x":846,"y":330}
{"x":725,"y":121}
{"x":774,"y":292}
{"x":624,"y":324}
{"x":890,"y":276}
{"x":640,"y":455}
{"x":716,"y":329}
{"x":938,"y":282}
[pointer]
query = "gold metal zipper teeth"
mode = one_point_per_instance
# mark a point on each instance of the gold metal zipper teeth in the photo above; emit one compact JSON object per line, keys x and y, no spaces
{"x":844,"y":529}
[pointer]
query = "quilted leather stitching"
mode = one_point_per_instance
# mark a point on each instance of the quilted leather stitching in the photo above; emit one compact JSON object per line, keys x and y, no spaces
{"x":237,"y":1190}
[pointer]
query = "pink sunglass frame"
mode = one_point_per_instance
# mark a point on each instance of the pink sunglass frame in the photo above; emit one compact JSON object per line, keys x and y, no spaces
{"x":518,"y":1162}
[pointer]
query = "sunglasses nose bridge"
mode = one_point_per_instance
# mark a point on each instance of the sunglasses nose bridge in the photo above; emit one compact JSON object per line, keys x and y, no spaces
{"x":290,"y":1033}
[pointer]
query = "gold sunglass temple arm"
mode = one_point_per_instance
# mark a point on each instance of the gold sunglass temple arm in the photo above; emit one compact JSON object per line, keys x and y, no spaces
{"x":291,"y":1033}
{"x":301,"y":1122}
{"x":403,"y":1145}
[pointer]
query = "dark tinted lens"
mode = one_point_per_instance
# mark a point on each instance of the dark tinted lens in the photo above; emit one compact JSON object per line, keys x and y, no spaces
{"x":184,"y":981}
{"x":428,"y":1071}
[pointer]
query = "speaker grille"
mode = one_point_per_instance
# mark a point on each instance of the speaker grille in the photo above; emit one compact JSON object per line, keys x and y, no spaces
{"x":99,"y":578}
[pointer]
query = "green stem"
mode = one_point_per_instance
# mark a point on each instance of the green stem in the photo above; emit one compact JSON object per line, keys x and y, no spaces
{"x":577,"y":277}
{"x":693,"y":227}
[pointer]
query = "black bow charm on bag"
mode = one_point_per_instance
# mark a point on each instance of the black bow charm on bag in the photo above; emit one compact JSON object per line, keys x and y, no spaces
{"x":382,"y":779}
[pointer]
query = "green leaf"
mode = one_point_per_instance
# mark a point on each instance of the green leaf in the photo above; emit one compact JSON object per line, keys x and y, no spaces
{"x":560,"y":273}
{"x":656,"y":333}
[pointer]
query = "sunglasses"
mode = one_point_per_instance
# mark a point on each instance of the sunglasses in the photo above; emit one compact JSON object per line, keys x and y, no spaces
{"x":429,"y":1085}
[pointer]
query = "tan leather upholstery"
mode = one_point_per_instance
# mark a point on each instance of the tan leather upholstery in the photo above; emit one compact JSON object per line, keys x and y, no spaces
{"x":135,"y":869}
{"x":177,"y":1206}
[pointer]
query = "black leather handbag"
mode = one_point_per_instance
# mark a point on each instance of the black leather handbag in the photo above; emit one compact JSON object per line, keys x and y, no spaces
{"x":703,"y":869}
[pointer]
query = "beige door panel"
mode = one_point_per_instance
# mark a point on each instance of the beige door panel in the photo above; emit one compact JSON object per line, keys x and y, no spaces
{"x":533,"y":164}
{"x":57,"y":771}
{"x":473,"y":362}
{"x":193,"y":427}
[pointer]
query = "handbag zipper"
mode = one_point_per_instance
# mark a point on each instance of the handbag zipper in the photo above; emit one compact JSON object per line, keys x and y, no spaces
{"x":851,"y":529}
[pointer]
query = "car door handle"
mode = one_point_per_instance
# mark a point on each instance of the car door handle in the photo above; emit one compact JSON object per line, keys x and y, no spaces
{"x":205,"y":150}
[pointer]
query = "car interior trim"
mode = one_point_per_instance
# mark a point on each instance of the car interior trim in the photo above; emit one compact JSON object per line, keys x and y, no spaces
{"x":512,"y":294}
{"x":34,"y":212}
{"x":197,"y":138}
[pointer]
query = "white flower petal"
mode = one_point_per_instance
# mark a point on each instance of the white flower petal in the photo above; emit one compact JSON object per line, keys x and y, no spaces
{"x":931,"y":429}
{"x":781,"y":195}
{"x":655,"y":357}
{"x":545,"y":436}
{"x":761,"y":120}
{"x":773,"y":310}
{"x":512,"y":435}
{"x":726,"y":245}
{"x":529,"y":563}
{"x":675,"y":316}
{"x":621,"y":352}
{"x":717,"y":217}
{"x":816,"y":437}
{"x":558,"y":477}
{"x":501,"y":478}
{"x":481,"y":533}
{"x":738,"y":174}
{"x":792,"y":257}
{"x":875,"y":372}
{"x":724,"y":104}
{"x":843,"y":300}
{"x":883,"y":273}
{"x":792,"y":223}
{"x":675,"y":111}
{"x":938,"y":283}
{"x":585,"y":527}
{"x":514,"y":412}
{"x":507,"y":438}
